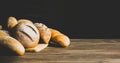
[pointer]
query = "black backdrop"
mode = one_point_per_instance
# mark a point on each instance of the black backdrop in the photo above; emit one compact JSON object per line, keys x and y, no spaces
{"x":77,"y":19}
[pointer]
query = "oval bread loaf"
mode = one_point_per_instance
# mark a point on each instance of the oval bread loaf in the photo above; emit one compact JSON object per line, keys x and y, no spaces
{"x":12,"y":44}
{"x":45,"y":33}
{"x":59,"y":38}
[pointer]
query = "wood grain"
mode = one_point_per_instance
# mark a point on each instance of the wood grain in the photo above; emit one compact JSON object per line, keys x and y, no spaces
{"x":80,"y":51}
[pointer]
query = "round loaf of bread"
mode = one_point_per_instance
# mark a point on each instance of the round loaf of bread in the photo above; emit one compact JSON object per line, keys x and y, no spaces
{"x":9,"y":44}
{"x":26,"y":33}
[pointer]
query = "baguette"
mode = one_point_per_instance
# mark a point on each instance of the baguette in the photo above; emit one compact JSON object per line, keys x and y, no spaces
{"x":45,"y":33}
{"x":12,"y":44}
{"x":59,"y":38}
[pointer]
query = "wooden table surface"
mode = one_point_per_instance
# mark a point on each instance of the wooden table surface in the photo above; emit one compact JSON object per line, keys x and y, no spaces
{"x":80,"y":51}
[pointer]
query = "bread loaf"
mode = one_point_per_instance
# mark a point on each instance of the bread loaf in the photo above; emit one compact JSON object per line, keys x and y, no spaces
{"x":60,"y":38}
{"x":45,"y":33}
{"x":26,"y":33}
{"x":11,"y":44}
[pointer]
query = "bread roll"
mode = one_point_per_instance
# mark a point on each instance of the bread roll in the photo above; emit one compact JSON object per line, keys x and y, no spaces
{"x":26,"y":33}
{"x":12,"y":22}
{"x":11,"y":44}
{"x":45,"y":33}
{"x":59,"y":38}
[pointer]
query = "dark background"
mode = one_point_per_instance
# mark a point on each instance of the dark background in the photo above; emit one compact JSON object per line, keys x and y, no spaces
{"x":77,"y":19}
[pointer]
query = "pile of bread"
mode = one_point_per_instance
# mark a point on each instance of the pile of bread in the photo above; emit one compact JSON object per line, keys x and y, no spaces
{"x":23,"y":35}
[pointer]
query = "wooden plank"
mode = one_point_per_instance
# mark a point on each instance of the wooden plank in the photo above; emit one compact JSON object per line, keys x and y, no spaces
{"x":80,"y":51}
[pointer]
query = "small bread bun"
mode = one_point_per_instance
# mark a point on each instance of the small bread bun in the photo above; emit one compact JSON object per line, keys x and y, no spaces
{"x":12,"y":44}
{"x":12,"y":21}
{"x":26,"y":33}
{"x":45,"y":33}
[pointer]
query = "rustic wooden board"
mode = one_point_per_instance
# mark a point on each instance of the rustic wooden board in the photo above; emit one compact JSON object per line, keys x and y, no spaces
{"x":80,"y":51}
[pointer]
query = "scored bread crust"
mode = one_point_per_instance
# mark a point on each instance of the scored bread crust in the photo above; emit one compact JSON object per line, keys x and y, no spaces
{"x":26,"y":33}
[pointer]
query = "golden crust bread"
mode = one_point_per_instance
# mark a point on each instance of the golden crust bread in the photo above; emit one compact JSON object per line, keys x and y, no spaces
{"x":63,"y":40}
{"x":12,"y":22}
{"x":55,"y":32}
{"x":45,"y":33}
{"x":12,"y":44}
{"x":60,"y":38}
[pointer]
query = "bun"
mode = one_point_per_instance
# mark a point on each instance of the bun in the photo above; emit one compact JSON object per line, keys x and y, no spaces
{"x":12,"y":44}
{"x":59,"y":38}
{"x":26,"y":33}
{"x":45,"y":33}
{"x":12,"y":22}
